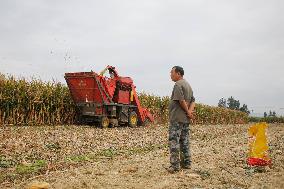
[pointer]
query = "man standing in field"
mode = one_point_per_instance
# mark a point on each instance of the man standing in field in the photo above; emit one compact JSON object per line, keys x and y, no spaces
{"x":181,"y":111}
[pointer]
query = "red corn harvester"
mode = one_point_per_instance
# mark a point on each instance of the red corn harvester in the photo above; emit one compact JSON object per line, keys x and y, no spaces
{"x":106,"y":100}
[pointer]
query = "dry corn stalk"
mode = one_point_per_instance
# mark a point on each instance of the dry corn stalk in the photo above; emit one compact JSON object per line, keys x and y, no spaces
{"x":36,"y":102}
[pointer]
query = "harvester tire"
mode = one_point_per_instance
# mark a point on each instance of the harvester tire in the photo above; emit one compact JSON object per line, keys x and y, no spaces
{"x":104,"y":122}
{"x":133,"y":119}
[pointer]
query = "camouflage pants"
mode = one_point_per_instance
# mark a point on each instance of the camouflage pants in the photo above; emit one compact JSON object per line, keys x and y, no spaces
{"x":179,"y":144}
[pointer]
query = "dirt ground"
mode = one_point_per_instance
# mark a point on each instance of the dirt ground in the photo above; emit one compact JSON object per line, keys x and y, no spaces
{"x":137,"y":158}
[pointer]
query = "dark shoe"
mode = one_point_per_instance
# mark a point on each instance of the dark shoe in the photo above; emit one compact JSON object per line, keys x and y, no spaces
{"x":172,"y":170}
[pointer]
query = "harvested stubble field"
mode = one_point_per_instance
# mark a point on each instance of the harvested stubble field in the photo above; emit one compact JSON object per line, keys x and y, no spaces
{"x":88,"y":157}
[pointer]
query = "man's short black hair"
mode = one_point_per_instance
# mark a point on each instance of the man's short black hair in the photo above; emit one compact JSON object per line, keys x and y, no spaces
{"x":179,"y":70}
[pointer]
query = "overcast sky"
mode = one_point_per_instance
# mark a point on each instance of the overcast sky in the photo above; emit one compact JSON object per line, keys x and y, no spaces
{"x":226,"y":47}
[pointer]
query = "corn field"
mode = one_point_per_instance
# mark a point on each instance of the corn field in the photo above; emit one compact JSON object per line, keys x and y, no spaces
{"x":204,"y":114}
{"x":36,"y":102}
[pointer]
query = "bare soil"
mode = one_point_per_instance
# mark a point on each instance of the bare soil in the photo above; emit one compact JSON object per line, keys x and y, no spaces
{"x":87,"y":157}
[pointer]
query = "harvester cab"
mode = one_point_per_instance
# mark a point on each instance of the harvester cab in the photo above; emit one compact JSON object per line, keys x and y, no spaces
{"x":109,"y":101}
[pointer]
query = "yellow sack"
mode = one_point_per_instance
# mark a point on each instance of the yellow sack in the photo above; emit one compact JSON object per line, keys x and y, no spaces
{"x":258,"y":146}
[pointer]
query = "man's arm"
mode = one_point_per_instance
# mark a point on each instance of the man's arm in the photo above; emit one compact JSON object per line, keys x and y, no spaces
{"x":187,"y":108}
{"x":183,"y":105}
{"x":191,"y":107}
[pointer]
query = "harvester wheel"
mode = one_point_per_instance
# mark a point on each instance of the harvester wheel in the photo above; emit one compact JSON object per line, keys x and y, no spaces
{"x":104,"y":122}
{"x":133,"y":119}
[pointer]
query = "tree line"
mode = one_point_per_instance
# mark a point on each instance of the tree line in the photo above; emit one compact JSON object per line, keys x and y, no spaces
{"x":233,"y":104}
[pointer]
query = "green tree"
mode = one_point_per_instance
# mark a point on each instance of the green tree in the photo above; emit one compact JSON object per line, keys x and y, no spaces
{"x":265,"y":114}
{"x":222,"y":103}
{"x":233,"y":104}
{"x":244,"y":108}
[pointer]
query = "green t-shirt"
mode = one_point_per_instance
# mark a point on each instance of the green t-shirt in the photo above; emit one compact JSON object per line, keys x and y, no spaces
{"x":181,"y":91}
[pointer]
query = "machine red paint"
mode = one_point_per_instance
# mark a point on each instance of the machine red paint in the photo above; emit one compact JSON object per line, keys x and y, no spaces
{"x":108,"y":100}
